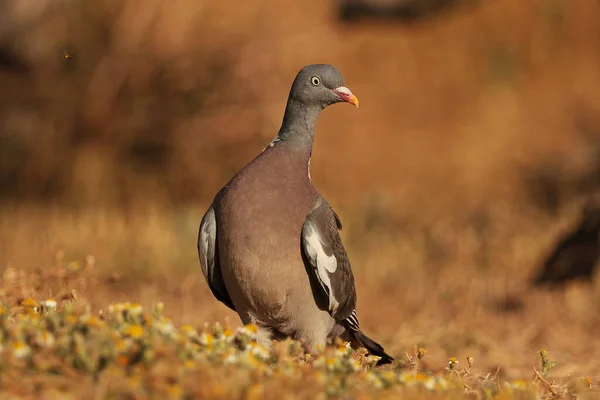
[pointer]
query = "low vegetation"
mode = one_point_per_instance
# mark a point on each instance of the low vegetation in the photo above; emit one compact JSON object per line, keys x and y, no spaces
{"x":62,"y":349}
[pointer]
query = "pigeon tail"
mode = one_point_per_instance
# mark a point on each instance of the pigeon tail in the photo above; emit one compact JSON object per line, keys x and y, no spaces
{"x":373,"y":347}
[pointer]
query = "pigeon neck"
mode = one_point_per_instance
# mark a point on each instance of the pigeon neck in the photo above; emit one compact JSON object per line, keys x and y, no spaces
{"x":299,"y":123}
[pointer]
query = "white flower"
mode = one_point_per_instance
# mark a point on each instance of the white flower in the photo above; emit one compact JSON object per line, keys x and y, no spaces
{"x":230,"y":359}
{"x":249,"y":330}
{"x":45,"y":339}
{"x":260,"y":351}
{"x":442,"y":383}
{"x":429,"y":383}
{"x":166,"y":327}
{"x":21,"y":350}
{"x":374,"y":380}
{"x":50,"y":304}
{"x":355,"y":364}
{"x":116,"y":308}
{"x":135,"y":309}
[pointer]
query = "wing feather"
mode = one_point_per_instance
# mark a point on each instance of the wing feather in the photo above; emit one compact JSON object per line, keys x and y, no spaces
{"x":328,"y":264}
{"x":209,"y":258}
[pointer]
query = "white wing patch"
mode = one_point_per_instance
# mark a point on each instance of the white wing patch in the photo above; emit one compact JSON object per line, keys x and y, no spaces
{"x":205,"y":236}
{"x":323,"y":263}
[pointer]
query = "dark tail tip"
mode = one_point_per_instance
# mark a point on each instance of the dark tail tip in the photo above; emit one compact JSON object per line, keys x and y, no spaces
{"x":374,"y":348}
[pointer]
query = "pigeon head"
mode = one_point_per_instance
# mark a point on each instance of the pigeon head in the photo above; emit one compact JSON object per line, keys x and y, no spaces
{"x":321,"y":85}
{"x":315,"y":87}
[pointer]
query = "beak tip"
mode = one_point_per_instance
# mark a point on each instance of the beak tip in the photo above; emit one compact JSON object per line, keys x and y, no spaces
{"x":346,"y":95}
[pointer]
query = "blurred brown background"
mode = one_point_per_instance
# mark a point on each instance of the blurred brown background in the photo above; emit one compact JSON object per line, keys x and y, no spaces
{"x":477,"y":140}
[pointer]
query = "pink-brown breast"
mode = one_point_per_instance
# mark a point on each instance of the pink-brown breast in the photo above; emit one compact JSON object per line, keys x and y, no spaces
{"x":259,"y":219}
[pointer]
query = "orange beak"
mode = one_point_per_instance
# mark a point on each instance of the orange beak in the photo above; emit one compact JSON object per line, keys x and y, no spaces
{"x":346,"y":95}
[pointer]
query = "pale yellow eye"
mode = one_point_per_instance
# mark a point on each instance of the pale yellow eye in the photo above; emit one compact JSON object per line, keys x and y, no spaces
{"x":315,"y":80}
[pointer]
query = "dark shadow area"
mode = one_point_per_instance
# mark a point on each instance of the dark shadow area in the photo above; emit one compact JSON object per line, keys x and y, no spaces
{"x":399,"y":11}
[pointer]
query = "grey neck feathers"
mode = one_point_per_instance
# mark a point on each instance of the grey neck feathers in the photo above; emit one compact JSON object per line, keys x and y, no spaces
{"x":299,"y":121}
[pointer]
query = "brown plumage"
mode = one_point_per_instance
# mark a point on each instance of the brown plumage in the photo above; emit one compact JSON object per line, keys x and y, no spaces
{"x":269,"y":244}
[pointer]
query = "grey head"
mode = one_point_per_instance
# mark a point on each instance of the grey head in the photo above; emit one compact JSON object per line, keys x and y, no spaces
{"x":315,"y":87}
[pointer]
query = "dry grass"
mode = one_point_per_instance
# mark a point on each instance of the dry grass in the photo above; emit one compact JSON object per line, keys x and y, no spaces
{"x":59,"y":348}
{"x":474,"y":145}
{"x":438,"y":286}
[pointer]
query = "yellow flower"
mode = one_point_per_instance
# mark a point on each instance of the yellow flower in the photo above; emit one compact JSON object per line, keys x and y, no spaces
{"x":149,"y":321}
{"x":30,"y":305}
{"x":123,"y":344}
{"x":452,"y":362}
{"x":206,"y":339}
{"x":122,"y":360}
{"x":249,"y":330}
{"x":405,"y":377}
{"x":342,"y":351}
{"x":372,"y":359}
{"x":174,"y":391}
{"x":188,"y":331}
{"x":517,"y":384}
{"x":29,"y":302}
{"x":252,"y":360}
{"x":134,"y":331}
{"x":421,"y":377}
{"x":74,"y":266}
{"x":92,"y":321}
